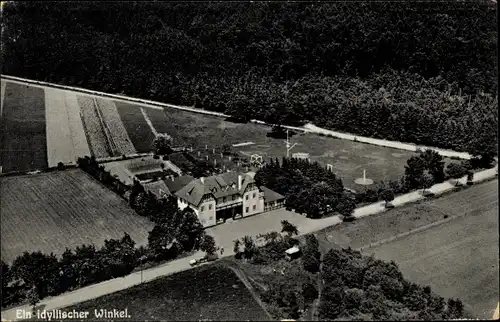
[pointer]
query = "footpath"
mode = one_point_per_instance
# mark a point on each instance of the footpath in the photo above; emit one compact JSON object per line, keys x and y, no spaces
{"x":118,"y":284}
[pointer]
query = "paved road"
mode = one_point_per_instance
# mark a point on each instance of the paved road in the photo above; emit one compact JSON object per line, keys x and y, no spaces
{"x":306,"y":226}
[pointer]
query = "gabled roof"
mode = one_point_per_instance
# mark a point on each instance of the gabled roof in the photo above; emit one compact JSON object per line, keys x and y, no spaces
{"x":178,"y":183}
{"x":155,"y":187}
{"x":219,"y":186}
{"x":270,"y":195}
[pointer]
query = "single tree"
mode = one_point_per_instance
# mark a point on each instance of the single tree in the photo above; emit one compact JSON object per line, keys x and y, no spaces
{"x":163,"y":144}
{"x":288,"y":228}
{"x":387,"y":195}
{"x":456,"y":171}
{"x":208,"y":245}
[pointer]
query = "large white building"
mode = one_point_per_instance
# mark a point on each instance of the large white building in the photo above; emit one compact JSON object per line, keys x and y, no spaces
{"x":217,"y":198}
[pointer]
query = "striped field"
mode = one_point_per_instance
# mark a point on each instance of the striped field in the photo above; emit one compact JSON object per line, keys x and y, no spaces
{"x":55,"y":210}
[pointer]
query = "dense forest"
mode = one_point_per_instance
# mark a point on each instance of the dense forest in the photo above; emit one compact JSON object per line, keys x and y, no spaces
{"x":419,"y":72}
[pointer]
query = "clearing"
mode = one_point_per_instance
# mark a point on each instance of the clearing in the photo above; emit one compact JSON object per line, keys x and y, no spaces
{"x":459,"y":258}
{"x":210,"y":293}
{"x":38,"y":215}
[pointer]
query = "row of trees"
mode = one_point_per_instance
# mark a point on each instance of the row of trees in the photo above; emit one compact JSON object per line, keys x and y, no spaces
{"x":403,"y":71}
{"x":36,"y":275}
{"x":308,"y":187}
{"x":358,"y":287}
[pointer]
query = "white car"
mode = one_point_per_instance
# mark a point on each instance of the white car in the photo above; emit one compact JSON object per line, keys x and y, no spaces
{"x":193,"y":262}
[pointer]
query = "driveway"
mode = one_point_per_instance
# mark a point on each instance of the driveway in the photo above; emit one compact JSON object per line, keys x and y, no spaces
{"x":225,"y":234}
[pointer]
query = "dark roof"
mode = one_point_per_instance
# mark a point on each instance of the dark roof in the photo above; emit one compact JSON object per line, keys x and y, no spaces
{"x":270,"y":195}
{"x":221,"y":185}
{"x":178,"y":183}
{"x":155,"y":187}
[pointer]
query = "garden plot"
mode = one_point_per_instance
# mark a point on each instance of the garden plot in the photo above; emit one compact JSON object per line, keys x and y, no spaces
{"x":59,"y":141}
{"x":93,"y":128}
{"x":117,"y":130}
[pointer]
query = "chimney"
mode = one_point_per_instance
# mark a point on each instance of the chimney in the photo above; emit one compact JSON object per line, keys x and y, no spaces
{"x":240,"y":181}
{"x":202,"y":179}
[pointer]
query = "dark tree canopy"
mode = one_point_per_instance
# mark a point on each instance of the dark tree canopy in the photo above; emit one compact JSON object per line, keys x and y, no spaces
{"x":364,"y":288}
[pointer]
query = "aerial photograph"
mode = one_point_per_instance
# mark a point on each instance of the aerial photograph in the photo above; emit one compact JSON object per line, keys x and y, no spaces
{"x":249,"y":160}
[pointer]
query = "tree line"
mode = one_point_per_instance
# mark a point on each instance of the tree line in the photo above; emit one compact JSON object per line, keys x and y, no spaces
{"x":407,"y":71}
{"x":309,"y":188}
{"x":358,"y":287}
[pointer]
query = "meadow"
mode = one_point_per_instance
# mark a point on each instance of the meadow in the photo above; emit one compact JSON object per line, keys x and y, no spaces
{"x":459,"y":258}
{"x":348,"y":158}
{"x":37,"y":214}
{"x":138,"y":130}
{"x":24,"y":140}
{"x":207,"y":293}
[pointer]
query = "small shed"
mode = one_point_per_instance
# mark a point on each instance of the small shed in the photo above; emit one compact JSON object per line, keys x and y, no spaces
{"x":292,"y":253}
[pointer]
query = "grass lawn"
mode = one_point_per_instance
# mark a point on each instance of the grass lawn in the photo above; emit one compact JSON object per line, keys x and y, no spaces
{"x":38,"y":215}
{"x":210,"y":292}
{"x":457,"y":259}
{"x":24,"y":140}
{"x":348,"y":158}
{"x":137,"y":129}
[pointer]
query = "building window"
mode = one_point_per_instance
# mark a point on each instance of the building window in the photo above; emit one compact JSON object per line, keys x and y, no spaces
{"x":202,"y":208}
{"x":224,"y":199}
{"x":253,"y":196}
{"x":246,"y":209}
{"x":210,"y":208}
{"x":211,"y":218}
{"x":234,"y":197}
{"x":246,"y":197}
{"x":254,"y":207}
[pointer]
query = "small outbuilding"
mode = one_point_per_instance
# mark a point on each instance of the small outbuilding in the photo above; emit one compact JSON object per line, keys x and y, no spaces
{"x":292,"y":253}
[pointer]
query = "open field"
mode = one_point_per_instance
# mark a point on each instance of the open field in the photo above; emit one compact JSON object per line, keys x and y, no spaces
{"x":206,"y":293}
{"x":457,"y":259}
{"x":117,"y":131}
{"x":37,"y":214}
{"x":60,"y":147}
{"x":24,"y":142}
{"x":96,"y":137}
{"x":137,"y":128}
{"x":347,"y":158}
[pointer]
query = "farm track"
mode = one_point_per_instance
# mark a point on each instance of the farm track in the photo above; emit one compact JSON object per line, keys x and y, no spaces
{"x":248,"y":284}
